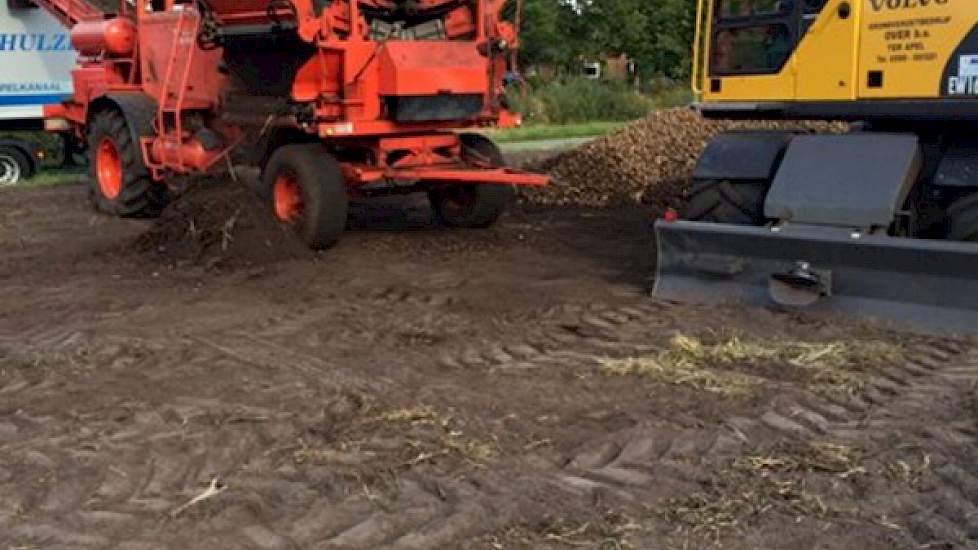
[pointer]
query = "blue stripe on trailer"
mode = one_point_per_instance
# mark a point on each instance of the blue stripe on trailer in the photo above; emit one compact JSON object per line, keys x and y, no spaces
{"x":33,"y":99}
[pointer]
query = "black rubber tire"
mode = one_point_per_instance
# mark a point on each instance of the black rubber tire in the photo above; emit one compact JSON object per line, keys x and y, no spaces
{"x":473,"y":205}
{"x":24,"y":167}
{"x":962,"y":218}
{"x":140,"y":196}
{"x":325,"y":203}
{"x":722,"y":201}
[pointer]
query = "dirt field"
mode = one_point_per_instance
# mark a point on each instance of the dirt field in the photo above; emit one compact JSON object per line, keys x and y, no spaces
{"x":421,"y":388}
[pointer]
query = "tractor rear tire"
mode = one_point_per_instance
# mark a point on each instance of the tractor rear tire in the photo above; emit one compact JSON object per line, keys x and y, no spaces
{"x":473,"y":205}
{"x":963,"y":219}
{"x":307,"y":191}
{"x":119,"y":183}
{"x":724,"y":201}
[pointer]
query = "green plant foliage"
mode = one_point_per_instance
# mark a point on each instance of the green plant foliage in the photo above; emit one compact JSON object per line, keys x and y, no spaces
{"x":579,"y":100}
{"x":657,"y":34}
{"x":575,"y":99}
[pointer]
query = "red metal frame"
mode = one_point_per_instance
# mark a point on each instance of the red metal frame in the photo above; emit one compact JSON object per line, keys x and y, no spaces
{"x":343,"y":86}
{"x":70,"y":12}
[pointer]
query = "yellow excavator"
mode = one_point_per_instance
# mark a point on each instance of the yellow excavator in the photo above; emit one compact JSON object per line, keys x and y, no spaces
{"x":878,"y":221}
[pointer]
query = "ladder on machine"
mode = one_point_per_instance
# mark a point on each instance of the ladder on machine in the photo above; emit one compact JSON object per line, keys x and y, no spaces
{"x":173,"y":92}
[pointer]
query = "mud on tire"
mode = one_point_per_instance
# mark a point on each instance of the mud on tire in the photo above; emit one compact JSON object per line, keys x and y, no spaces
{"x":723,"y":201}
{"x":119,"y":183}
{"x":307,"y":192}
{"x":472,"y":206}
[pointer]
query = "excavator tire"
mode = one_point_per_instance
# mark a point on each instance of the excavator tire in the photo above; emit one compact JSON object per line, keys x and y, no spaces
{"x":308,"y":193}
{"x":472,"y":205}
{"x":963,"y":219}
{"x":723,"y":201}
{"x":119,"y":183}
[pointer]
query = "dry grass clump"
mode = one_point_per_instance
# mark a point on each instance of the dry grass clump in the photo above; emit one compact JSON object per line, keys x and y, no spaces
{"x":426,"y":435}
{"x":446,"y":441}
{"x":472,"y":451}
{"x":842,"y":366}
{"x":756,"y":485}
{"x":660,"y":369}
{"x":713,"y":513}
{"x":837,"y":365}
{"x":607,"y":529}
{"x":412,"y":415}
{"x":842,"y":461}
{"x":910,"y":472}
{"x":810,"y":355}
{"x":736,"y":501}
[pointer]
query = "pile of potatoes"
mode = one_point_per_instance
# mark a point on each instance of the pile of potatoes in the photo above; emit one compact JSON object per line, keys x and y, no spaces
{"x":648,"y":162}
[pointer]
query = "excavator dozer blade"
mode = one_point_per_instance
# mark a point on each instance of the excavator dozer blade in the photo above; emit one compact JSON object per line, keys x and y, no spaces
{"x":919,"y":285}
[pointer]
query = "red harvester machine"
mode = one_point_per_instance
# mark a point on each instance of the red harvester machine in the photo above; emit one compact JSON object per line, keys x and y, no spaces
{"x":330,"y":98}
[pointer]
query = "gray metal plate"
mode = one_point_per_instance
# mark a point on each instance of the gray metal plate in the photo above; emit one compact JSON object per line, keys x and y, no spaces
{"x":851,"y":180}
{"x":929,"y":286}
{"x":742,"y":155}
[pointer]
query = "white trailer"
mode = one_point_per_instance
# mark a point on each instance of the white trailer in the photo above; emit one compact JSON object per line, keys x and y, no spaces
{"x":36,"y":59}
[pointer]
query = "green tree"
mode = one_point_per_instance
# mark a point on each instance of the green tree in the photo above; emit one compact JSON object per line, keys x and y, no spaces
{"x":548,"y":35}
{"x":670,"y":38}
{"x":656,"y":33}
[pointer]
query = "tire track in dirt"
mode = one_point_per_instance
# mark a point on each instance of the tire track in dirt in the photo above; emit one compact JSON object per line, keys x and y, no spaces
{"x":132,"y":452}
{"x":897,"y":401}
{"x":145,"y":456}
{"x":150,"y":457}
{"x":628,"y":463}
{"x":946,"y":514}
{"x":158,"y":456}
{"x":415,"y":510}
{"x":623,"y":463}
{"x":569,"y":332}
{"x":161,"y":453}
{"x":265,"y":354}
{"x":423,"y":514}
{"x":689,"y":456}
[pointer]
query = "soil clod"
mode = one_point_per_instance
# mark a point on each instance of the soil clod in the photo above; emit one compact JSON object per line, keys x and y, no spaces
{"x":219,"y":224}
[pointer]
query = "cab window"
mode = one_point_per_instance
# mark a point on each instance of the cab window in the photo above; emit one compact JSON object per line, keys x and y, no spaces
{"x":751,"y":50}
{"x":754,"y":36}
{"x":732,"y":9}
{"x":810,"y":11}
{"x":814,"y":7}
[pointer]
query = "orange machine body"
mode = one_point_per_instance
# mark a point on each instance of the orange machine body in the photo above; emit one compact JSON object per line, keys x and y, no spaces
{"x":114,"y":37}
{"x":382,"y":92}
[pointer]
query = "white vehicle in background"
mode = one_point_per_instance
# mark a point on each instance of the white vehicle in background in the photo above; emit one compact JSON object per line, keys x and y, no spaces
{"x":36,"y":59}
